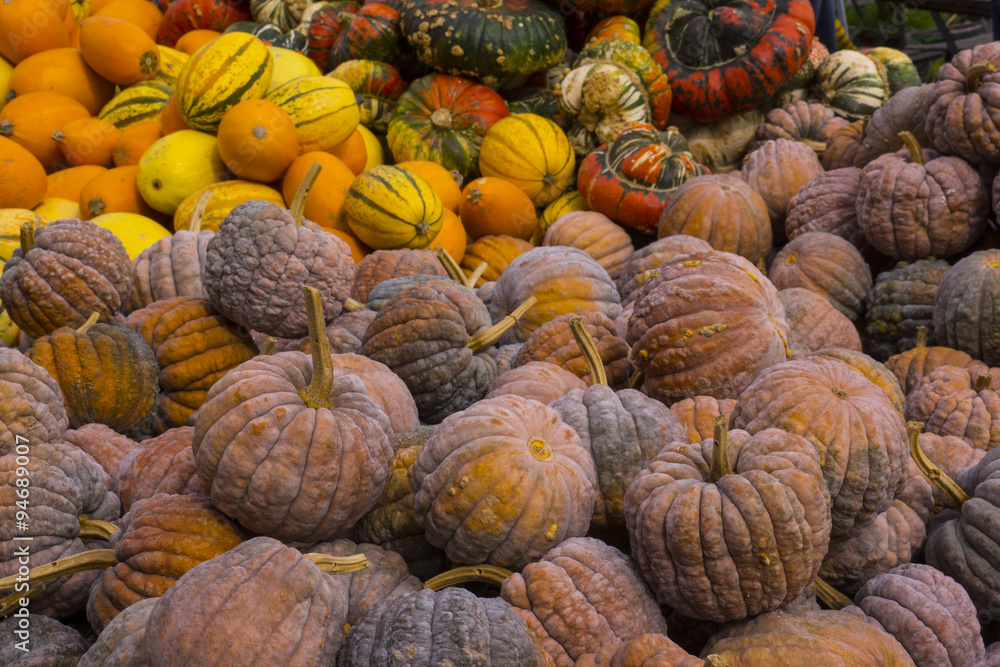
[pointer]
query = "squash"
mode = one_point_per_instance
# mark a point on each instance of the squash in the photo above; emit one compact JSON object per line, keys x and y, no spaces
{"x":895,"y":67}
{"x":697,"y":415}
{"x":68,"y":183}
{"x":32,"y":405}
{"x":603,"y":98}
{"x":30,"y":27}
{"x":191,"y":41}
{"x":141,"y":103}
{"x":388,"y":207}
{"x":178,"y":165}
{"x":171,"y":63}
{"x":384,"y":265}
{"x":323,"y":109}
{"x":810,"y":123}
{"x":633,"y":58}
{"x":814,"y":324}
{"x":531,"y":152}
{"x":183,"y":16}
{"x":63,"y":71}
{"x":136,"y":232}
{"x":496,"y":251}
{"x":493,"y":206}
{"x":160,"y":465}
{"x":851,"y":85}
{"x":903,"y":112}
{"x":226,"y":196}
{"x":535,"y":380}
{"x":113,"y":191}
{"x":288,"y":65}
{"x":962,"y":318}
{"x":257,"y":140}
{"x":325,"y":25}
{"x":325,"y":201}
{"x":352,"y":151}
{"x":21,"y":175}
{"x":119,"y":51}
{"x":620,"y":27}
{"x":845,"y":147}
{"x":777,"y":170}
{"x":900,"y":302}
{"x":568,"y":202}
{"x":595,"y":234}
{"x":11,"y":221}
{"x":170,"y":118}
{"x":372,"y":34}
{"x":87,"y":141}
{"x":379,"y":85}
{"x":31,"y":119}
{"x":443,"y":182}
{"x":56,"y":208}
{"x":827,"y":203}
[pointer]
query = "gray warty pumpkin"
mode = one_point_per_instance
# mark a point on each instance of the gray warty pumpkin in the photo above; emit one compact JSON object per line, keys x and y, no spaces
{"x":900,"y":302}
{"x":828,"y":203}
{"x":123,"y":640}
{"x":646,"y":262}
{"x":48,"y":642}
{"x":961,"y":402}
{"x":814,"y":324}
{"x":966,"y":314}
{"x":31,"y":402}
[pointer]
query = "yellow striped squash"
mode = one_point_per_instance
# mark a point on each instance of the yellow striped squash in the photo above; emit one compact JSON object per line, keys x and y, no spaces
{"x":221,"y":74}
{"x":139,"y":103}
{"x":531,"y":152}
{"x":171,"y":63}
{"x":387,"y":207}
{"x":226,"y":196}
{"x":325,"y":110}
{"x":570,"y":201}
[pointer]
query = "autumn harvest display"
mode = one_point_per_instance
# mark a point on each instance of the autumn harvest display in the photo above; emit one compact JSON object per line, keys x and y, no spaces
{"x":595,"y":333}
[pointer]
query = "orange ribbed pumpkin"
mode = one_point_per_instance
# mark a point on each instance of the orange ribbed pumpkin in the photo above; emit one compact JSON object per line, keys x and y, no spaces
{"x":68,"y":183}
{"x":88,"y":141}
{"x":257,"y":140}
{"x":119,"y":51}
{"x":22,"y":178}
{"x":31,"y":119}
{"x":114,"y":191}
{"x":326,"y":198}
{"x":63,"y":71}
{"x":133,"y":142}
{"x":492,"y":206}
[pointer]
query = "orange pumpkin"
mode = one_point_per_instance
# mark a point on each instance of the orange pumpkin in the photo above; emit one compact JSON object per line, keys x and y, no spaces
{"x":88,"y":141}
{"x":31,"y":119}
{"x":326,"y":198}
{"x":170,"y":118}
{"x":133,"y":142}
{"x":121,"y":52}
{"x":63,"y":71}
{"x":114,"y":191}
{"x":358,"y":249}
{"x":98,"y":5}
{"x":140,"y":13}
{"x":440,"y":179}
{"x":195,"y":39}
{"x":28,"y":27}
{"x":22,"y":177}
{"x":452,"y":236}
{"x":353,"y":152}
{"x":257,"y":140}
{"x":68,"y":183}
{"x":492,"y":206}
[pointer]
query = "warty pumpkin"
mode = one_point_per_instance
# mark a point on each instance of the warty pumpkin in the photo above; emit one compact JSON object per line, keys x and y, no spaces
{"x":32,"y":405}
{"x":874,"y":371}
{"x":845,"y":147}
{"x":828,"y":203}
{"x":964,"y":314}
{"x":383,"y":265}
{"x":913,"y":365}
{"x":646,"y":261}
{"x":595,"y":234}
{"x":387,"y":207}
{"x":163,"y":464}
{"x":903,"y":112}
{"x":122,"y":640}
{"x":901,"y":302}
{"x":105,"y":445}
{"x":384,"y":387}
{"x":808,"y":122}
{"x":960,"y":402}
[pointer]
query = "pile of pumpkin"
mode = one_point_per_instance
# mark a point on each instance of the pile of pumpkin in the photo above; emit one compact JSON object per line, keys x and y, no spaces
{"x":482,"y":332}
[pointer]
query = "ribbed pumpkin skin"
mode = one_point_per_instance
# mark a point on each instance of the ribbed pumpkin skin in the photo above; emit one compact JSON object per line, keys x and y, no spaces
{"x":581,"y":596}
{"x":531,"y":152}
{"x":208,"y":613}
{"x":382,"y":265}
{"x":384,"y":387}
{"x":845,"y":147}
{"x":50,"y":642}
{"x":595,"y":234}
{"x":75,"y":268}
{"x":164,"y":464}
{"x":850,"y":84}
{"x":706,"y":325}
{"x":965,"y":315}
{"x":623,"y":431}
{"x":228,"y":70}
{"x":497,"y":251}
{"x":901,"y":300}
{"x":828,"y":265}
{"x":323,"y":109}
{"x":564,"y":280}
{"x":141,"y":103}
{"x":31,"y":402}
{"x":781,"y":638}
{"x":948,"y":404}
{"x":814,"y":324}
{"x":679,"y":535}
{"x":912,"y":366}
{"x":103,"y":444}
{"x":160,"y":539}
{"x":722,"y":210}
{"x":169,"y":268}
{"x":903,"y":112}
{"x":537,"y":380}
{"x":510,"y":448}
{"x":107,"y":375}
{"x":872,"y":370}
{"x":646,"y":261}
{"x":777,"y":171}
{"x":194,"y":347}
{"x":849,"y":420}
{"x":827,"y":203}
{"x":951,"y":454}
{"x":554,"y":342}
{"x":387,"y":208}
{"x":808,"y":122}
{"x":697,"y":416}
{"x":443,"y":119}
{"x":442,"y":628}
{"x":378,"y":84}
{"x":122,"y":641}
{"x":649,"y":649}
{"x":344,"y":334}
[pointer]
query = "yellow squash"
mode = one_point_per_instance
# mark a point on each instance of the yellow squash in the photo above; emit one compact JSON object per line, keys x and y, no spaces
{"x":531,"y":152}
{"x":11,"y":220}
{"x":136,"y":232}
{"x":288,"y":65}
{"x":374,"y":147}
{"x":325,"y":110}
{"x":177,"y":165}
{"x":171,"y":63}
{"x":387,"y":207}
{"x":225,"y":197}
{"x":141,"y":103}
{"x":567,"y":202}
{"x":8,"y":330}
{"x":6,"y":70}
{"x":56,"y":208}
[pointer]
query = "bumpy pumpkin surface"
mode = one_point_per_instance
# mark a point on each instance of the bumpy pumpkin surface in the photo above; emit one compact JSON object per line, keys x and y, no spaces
{"x":344,"y":334}
{"x":31,"y":402}
{"x":382,"y":265}
{"x":903,"y":112}
{"x":122,"y":642}
{"x":848,"y":419}
{"x":845,"y":148}
{"x":595,"y":234}
{"x":686,"y":347}
{"x":256,"y":264}
{"x":965,"y":314}
{"x":955,"y":401}
{"x":538,"y":380}
{"x":164,"y":464}
{"x":497,"y":251}
{"x":646,"y":262}
{"x":581,"y":596}
{"x":704,"y":559}
{"x":49,"y":643}
{"x":260,"y":603}
{"x":951,"y":454}
{"x":900,"y":301}
{"x":697,"y":415}
{"x":809,"y":122}
{"x":814,"y":324}
{"x":506,"y":448}
{"x":103,"y":444}
{"x":384,"y":387}
{"x":170,"y":267}
{"x":827,"y":203}
{"x":645,"y":650}
{"x":777,"y":170}
{"x":554,"y":342}
{"x":874,"y":371}
{"x":912,"y":366}
{"x":74,"y":268}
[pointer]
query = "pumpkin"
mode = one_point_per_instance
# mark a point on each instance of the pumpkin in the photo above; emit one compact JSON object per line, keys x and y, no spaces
{"x":595,"y":234}
{"x":411,"y":221}
{"x":851,"y":85}
{"x":493,"y":206}
{"x":122,"y":640}
{"x":946,"y":214}
{"x":531,"y":152}
{"x":827,"y":203}
{"x":344,"y":334}
{"x":903,"y":112}
{"x":48,"y":640}
{"x":384,"y":387}
{"x":497,"y":252}
{"x":22,"y":176}
{"x":298,"y":253}
{"x":913,"y":365}
{"x":953,"y":455}
{"x":722,"y":210}
{"x":963,"y":317}
{"x":726,"y":58}
{"x":273,"y":36}
{"x":604,"y":98}
{"x":87,"y":141}
{"x":32,"y":27}
{"x":103,"y":444}
{"x":119,"y":51}
{"x":142,"y":103}
{"x":192,"y":40}
{"x":845,"y":147}
{"x":697,"y":416}
{"x":257,"y":140}
{"x":706,"y":325}
{"x":777,"y":171}
{"x":160,"y":465}
{"x":183,"y":16}
{"x":354,"y":151}
{"x":170,"y":268}
{"x":32,"y":407}
{"x":631,"y":179}
{"x":664,"y":507}
{"x":595,"y":591}
{"x":31,"y":119}
{"x":855,"y":428}
{"x":640,"y":651}
{"x":540,"y":468}
{"x":494,"y":41}
{"x":621,"y":27}
{"x":537,"y":380}
{"x":900,"y":302}
{"x":324,"y":27}
{"x":721,"y":145}
{"x":814,"y":324}
{"x":877,"y":373}
{"x":373,"y":34}
{"x":810,"y":123}
{"x":568,"y":202}
{"x":113,"y":191}
{"x":828,"y":265}
{"x":42,"y":287}
{"x":276,"y":12}
{"x":960,"y":402}
{"x":646,"y":261}
{"x":632,"y":57}
{"x":62,"y":71}
{"x":382,"y":265}
{"x":445,"y":183}
{"x":379,"y":85}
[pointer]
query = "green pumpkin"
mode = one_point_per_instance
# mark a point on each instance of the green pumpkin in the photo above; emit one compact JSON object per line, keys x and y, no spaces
{"x":273,"y":11}
{"x":636,"y":59}
{"x":900,"y":72}
{"x":851,"y":84}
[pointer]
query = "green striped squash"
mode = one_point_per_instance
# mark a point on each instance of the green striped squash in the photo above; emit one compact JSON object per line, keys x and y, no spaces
{"x":139,"y":103}
{"x":388,"y":207}
{"x":850,"y":84}
{"x":324,"y":110}
{"x":900,"y":72}
{"x":226,"y":71}
{"x":611,"y":96}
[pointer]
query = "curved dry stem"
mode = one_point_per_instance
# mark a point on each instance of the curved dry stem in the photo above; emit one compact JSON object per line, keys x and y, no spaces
{"x":27,"y":236}
{"x":317,"y":394}
{"x":830,"y":596}
{"x":975,"y":73}
{"x":95,"y":559}
{"x":353,"y":306}
{"x":716,"y":660}
{"x":591,"y":357}
{"x":268,"y":346}
{"x":451,"y":267}
{"x":487,"y":574}
{"x":339,"y":564}
{"x":635,"y":382}
{"x":913,"y":146}
{"x":983,"y":382}
{"x":921,"y":337}
{"x":720,"y":450}
{"x":9,"y":604}
{"x":299,"y":201}
{"x":954,"y":492}
{"x":96,"y":529}
{"x":91,"y":321}
{"x":491,"y":335}
{"x":194,"y":224}
{"x":477,"y":274}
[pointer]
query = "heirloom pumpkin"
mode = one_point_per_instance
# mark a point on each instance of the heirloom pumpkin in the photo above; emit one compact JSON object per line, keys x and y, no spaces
{"x":900,"y":303}
{"x":960,"y":402}
{"x":183,"y":16}
{"x":380,"y":87}
{"x":122,"y":640}
{"x":777,"y":171}
{"x":845,"y":148}
{"x":383,"y":265}
{"x":875,"y":372}
{"x":697,"y":416}
{"x":555,"y":343}
{"x":903,"y":112}
{"x":965,"y":316}
{"x":384,"y":387}
{"x":537,"y":380}
{"x":810,"y":123}
{"x":344,"y":334}
{"x":814,"y":324}
{"x":828,"y":203}
{"x":49,"y":640}
{"x":647,"y":649}
{"x":851,"y":84}
{"x":103,"y":444}
{"x":164,"y":464}
{"x":31,"y":402}
{"x":595,"y":234}
{"x":632,"y":57}
{"x":912,"y":366}
{"x":604,"y":99}
{"x":646,"y":262}
{"x":497,"y":252}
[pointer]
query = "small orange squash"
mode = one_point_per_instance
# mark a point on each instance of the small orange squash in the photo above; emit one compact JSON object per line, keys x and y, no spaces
{"x":133,"y":142}
{"x":141,"y":13}
{"x":452,"y":237}
{"x":170,"y":118}
{"x":63,"y":71}
{"x":257,"y":140}
{"x":31,"y":119}
{"x":440,"y":179}
{"x":492,"y":206}
{"x":22,"y":178}
{"x":114,"y":191}
{"x":88,"y":141}
{"x":325,"y":202}
{"x":119,"y":51}
{"x":353,"y":151}
{"x":358,"y":249}
{"x":195,"y":39}
{"x":28,"y":27}
{"x":68,"y":183}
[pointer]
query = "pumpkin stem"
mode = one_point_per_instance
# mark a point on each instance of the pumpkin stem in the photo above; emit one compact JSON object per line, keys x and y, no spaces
{"x":975,"y":73}
{"x":6,"y":128}
{"x":830,"y":596}
{"x":58,"y":136}
{"x":194,"y":224}
{"x":492,"y":334}
{"x":762,"y":266}
{"x":10,"y":603}
{"x":477,"y":274}
{"x":91,"y":321}
{"x":27,"y":236}
{"x":954,"y":492}
{"x":912,"y":145}
{"x":95,"y":559}
{"x":716,"y":660}
{"x":299,"y":201}
{"x":353,"y":306}
{"x":441,"y":119}
{"x":635,"y":382}
{"x":268,"y":346}
{"x":591,"y":357}
{"x":487,"y":574}
{"x":317,"y":394}
{"x":921,"y":337}
{"x":339,"y":564}
{"x":451,"y":267}
{"x":720,"y":450}
{"x":983,"y":382}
